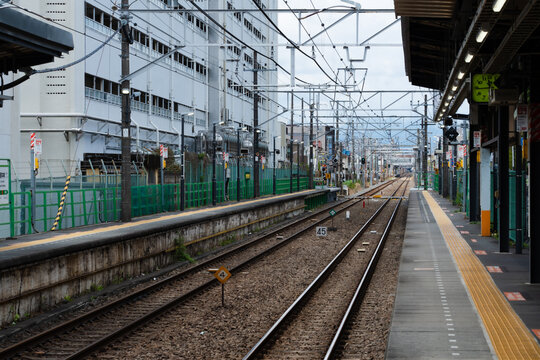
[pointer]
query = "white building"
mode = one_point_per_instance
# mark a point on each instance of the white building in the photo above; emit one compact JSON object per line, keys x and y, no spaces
{"x":77,"y":113}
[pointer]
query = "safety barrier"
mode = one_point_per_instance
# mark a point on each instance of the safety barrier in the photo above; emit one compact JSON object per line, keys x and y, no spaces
{"x":102,"y":204}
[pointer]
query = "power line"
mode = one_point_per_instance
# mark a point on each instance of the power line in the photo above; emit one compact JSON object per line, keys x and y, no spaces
{"x":289,"y":40}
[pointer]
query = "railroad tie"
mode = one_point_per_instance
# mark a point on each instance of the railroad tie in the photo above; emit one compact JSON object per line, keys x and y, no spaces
{"x":61,"y":206}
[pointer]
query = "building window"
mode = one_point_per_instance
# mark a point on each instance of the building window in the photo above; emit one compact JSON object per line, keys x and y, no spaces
{"x":101,"y":17}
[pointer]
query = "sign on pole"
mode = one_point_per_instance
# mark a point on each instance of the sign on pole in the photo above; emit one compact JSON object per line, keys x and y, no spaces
{"x":521,"y":119}
{"x":161,"y":150}
{"x":38,"y":147}
{"x":32,"y":140}
{"x":477,"y":138}
{"x":4,"y":185}
{"x":222,"y":274}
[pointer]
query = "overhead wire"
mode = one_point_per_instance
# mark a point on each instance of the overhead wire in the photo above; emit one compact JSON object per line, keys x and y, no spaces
{"x":289,"y":40}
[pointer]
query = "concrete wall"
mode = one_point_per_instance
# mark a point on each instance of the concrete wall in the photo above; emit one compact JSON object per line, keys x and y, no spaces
{"x":39,"y":285}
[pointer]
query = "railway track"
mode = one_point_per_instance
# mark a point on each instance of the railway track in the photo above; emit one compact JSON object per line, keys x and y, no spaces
{"x":85,"y":334}
{"x":307,"y":329}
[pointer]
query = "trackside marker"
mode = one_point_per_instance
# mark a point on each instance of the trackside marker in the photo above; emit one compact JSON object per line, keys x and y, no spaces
{"x":494,"y":269}
{"x":514,"y":296}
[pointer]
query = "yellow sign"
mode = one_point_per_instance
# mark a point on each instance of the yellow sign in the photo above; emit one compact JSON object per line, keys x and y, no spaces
{"x":222,"y":274}
{"x":481,"y":83}
{"x":327,"y":175}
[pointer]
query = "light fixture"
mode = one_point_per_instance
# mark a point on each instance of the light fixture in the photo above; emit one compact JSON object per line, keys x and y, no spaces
{"x":222,"y":123}
{"x":468,"y":57}
{"x":125,"y":91}
{"x":498,"y":5}
{"x":482,"y":33}
{"x":449,"y":97}
{"x":446,"y":104}
{"x":258,"y":131}
{"x":454,"y":88}
{"x":460,"y":75}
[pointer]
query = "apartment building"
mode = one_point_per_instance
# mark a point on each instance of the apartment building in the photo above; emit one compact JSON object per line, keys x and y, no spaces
{"x":76,"y":111}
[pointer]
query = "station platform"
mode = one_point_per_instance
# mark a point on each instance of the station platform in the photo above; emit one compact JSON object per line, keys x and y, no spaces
{"x":457,"y":298}
{"x":35,"y":247}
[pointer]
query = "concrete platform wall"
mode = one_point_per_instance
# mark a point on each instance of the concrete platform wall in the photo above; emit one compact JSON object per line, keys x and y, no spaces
{"x":39,"y":285}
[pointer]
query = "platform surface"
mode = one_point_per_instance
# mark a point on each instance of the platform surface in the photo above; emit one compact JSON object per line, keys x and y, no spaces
{"x":35,"y":247}
{"x":448,"y":306}
{"x":433,"y":315}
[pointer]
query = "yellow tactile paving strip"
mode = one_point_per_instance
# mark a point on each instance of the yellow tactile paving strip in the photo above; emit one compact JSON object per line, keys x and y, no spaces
{"x":509,"y":336}
{"x":128,"y":225}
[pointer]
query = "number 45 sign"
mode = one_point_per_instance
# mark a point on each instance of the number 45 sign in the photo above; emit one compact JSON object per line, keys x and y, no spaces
{"x":322,"y":231}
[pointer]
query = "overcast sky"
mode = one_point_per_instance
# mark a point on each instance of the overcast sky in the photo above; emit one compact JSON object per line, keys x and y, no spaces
{"x":385,"y":64}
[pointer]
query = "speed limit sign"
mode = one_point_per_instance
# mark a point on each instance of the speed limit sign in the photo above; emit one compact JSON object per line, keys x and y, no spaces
{"x":321,"y":231}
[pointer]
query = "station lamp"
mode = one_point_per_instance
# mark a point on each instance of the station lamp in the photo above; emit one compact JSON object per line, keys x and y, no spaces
{"x":498,"y":5}
{"x":469,"y":57}
{"x":481,"y":35}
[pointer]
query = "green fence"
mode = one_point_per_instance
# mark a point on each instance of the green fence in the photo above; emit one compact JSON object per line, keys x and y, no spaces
{"x":435,"y":180}
{"x":94,"y":205}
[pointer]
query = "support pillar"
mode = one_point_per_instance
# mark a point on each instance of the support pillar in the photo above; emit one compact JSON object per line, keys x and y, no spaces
{"x":444,"y":173}
{"x":534,"y":184}
{"x":485,"y":192}
{"x":474,"y":199}
{"x":503,"y":174}
{"x":518,"y":196}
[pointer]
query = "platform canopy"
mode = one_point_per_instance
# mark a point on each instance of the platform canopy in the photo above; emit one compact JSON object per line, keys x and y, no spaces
{"x":441,"y":43}
{"x":28,"y":41}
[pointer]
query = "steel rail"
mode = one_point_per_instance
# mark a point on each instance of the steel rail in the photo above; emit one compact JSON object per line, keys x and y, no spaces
{"x":258,"y":348}
{"x":104,"y":341}
{"x":73,"y":323}
{"x":362,"y":287}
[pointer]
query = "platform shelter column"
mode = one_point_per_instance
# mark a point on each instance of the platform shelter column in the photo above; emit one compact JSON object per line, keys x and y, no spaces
{"x":534,"y":182}
{"x":485,"y":191}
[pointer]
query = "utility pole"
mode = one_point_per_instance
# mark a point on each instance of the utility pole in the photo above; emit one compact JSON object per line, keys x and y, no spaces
{"x":214,"y":181}
{"x":125,"y":207}
{"x":425,"y":149}
{"x":340,"y":167}
{"x":255,"y":129}
{"x":238,"y":164}
{"x":292,"y":140}
{"x":311,"y":145}
{"x":302,"y":139}
{"x":353,"y":152}
{"x":418,"y":159}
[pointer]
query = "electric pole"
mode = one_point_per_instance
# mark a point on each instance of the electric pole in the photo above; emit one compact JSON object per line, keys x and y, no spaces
{"x":125,"y":207}
{"x":311,"y":145}
{"x":302,"y":138}
{"x":425,"y":149}
{"x":255,"y":129}
{"x":292,"y":140}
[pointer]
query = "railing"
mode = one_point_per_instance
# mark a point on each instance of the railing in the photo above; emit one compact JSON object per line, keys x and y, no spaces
{"x":97,"y":203}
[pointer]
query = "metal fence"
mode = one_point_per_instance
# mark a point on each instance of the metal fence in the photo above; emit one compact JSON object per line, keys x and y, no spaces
{"x":96,"y":199}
